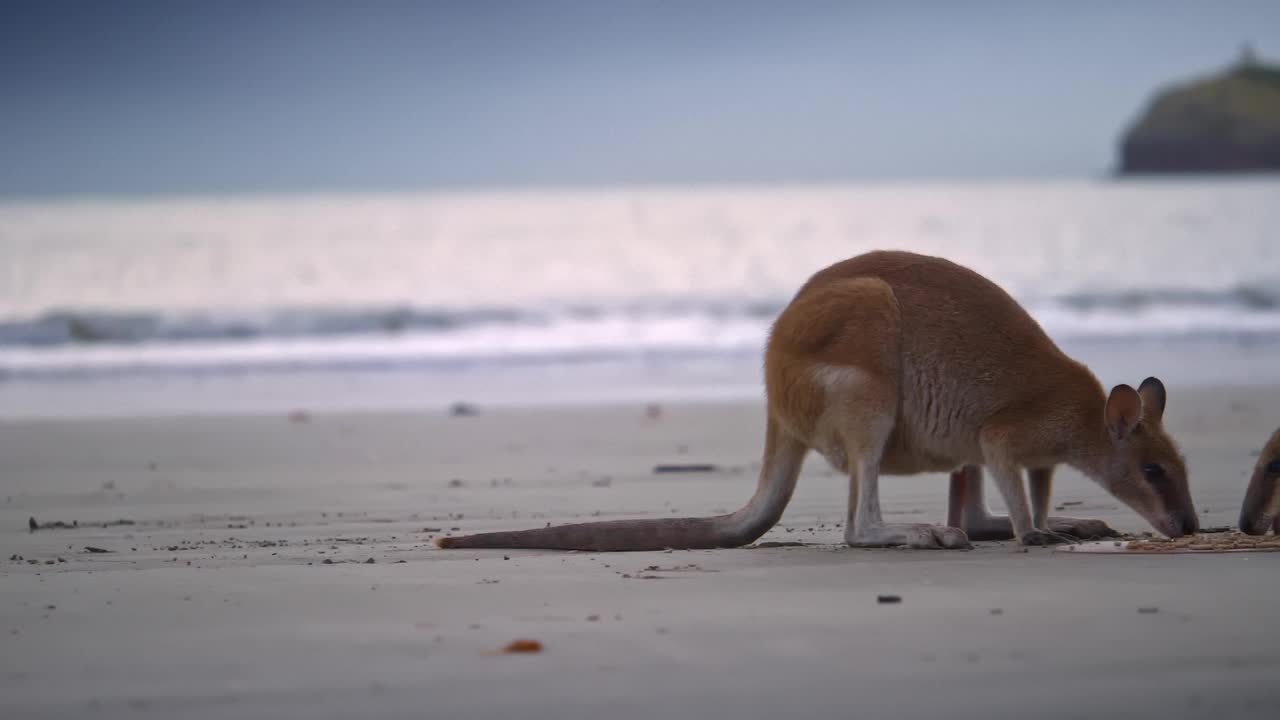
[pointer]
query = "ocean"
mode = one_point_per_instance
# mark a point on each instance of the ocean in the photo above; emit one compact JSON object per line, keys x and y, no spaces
{"x":375,"y":301}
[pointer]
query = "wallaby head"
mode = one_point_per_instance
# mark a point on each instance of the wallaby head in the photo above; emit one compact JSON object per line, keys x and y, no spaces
{"x":1141,"y":465}
{"x":1261,"y":510}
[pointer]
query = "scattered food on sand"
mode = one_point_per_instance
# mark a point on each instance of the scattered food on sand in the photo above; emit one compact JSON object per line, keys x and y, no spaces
{"x":693,"y":468}
{"x":691,"y":567}
{"x":1216,"y":542}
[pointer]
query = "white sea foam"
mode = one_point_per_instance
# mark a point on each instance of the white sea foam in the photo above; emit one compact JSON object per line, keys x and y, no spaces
{"x":443,"y":280}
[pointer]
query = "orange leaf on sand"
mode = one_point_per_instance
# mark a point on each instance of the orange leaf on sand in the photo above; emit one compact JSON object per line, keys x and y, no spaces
{"x":523,"y":646}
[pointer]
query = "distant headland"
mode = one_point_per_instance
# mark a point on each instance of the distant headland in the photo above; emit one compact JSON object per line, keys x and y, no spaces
{"x":1227,"y":123}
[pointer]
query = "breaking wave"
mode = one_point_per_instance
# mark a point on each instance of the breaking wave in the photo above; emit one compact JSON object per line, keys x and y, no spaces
{"x":69,"y":343}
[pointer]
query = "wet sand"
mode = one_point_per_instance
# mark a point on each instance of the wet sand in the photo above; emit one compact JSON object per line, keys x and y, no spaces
{"x":241,"y":585}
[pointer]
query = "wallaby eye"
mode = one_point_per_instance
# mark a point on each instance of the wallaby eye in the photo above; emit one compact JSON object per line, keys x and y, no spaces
{"x":1153,"y":472}
{"x":1273,"y":467}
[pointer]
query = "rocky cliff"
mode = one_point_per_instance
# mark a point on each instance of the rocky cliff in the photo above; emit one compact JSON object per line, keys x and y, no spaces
{"x":1226,"y":123}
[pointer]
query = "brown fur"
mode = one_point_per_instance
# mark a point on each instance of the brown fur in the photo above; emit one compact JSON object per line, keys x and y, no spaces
{"x":895,"y":363}
{"x":1261,"y":509}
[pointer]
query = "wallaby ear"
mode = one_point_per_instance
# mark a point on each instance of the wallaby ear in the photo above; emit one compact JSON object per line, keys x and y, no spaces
{"x":1153,"y":398}
{"x":1123,"y":411}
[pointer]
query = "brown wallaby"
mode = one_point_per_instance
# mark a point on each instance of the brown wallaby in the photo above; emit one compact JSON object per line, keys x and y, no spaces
{"x":893,"y":363}
{"x":1261,"y":509}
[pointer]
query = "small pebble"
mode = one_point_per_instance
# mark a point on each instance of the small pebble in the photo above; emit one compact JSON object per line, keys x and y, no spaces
{"x":888,"y":599}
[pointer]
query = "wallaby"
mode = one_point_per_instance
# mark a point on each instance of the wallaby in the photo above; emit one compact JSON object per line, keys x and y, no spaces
{"x":896,"y":363}
{"x":1261,"y":509}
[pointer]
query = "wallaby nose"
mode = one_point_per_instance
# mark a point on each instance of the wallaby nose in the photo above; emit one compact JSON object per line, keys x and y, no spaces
{"x":1184,"y":524}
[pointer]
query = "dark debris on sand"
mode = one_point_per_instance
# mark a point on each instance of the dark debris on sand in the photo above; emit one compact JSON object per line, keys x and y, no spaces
{"x":33,"y":526}
{"x":687,"y":468}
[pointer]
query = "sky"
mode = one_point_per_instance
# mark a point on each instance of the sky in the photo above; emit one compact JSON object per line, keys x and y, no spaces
{"x":236,"y":96}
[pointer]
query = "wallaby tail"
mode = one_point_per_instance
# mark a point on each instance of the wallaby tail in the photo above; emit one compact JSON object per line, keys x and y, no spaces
{"x":783,"y":457}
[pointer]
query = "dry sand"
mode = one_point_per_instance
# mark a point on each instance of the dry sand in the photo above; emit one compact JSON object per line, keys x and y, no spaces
{"x":244,"y":589}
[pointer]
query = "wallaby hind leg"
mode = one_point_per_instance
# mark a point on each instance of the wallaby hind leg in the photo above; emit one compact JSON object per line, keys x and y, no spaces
{"x":969,"y":511}
{"x":850,"y":335}
{"x":864,"y":526}
{"x":967,"y":507}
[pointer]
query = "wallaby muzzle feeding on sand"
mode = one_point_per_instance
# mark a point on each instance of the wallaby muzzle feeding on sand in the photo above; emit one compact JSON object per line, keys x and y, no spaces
{"x":1261,"y":509}
{"x":892,"y":363}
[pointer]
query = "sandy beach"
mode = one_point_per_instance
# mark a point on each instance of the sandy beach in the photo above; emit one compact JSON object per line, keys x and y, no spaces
{"x":282,"y":567}
{"x":290,"y":293}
